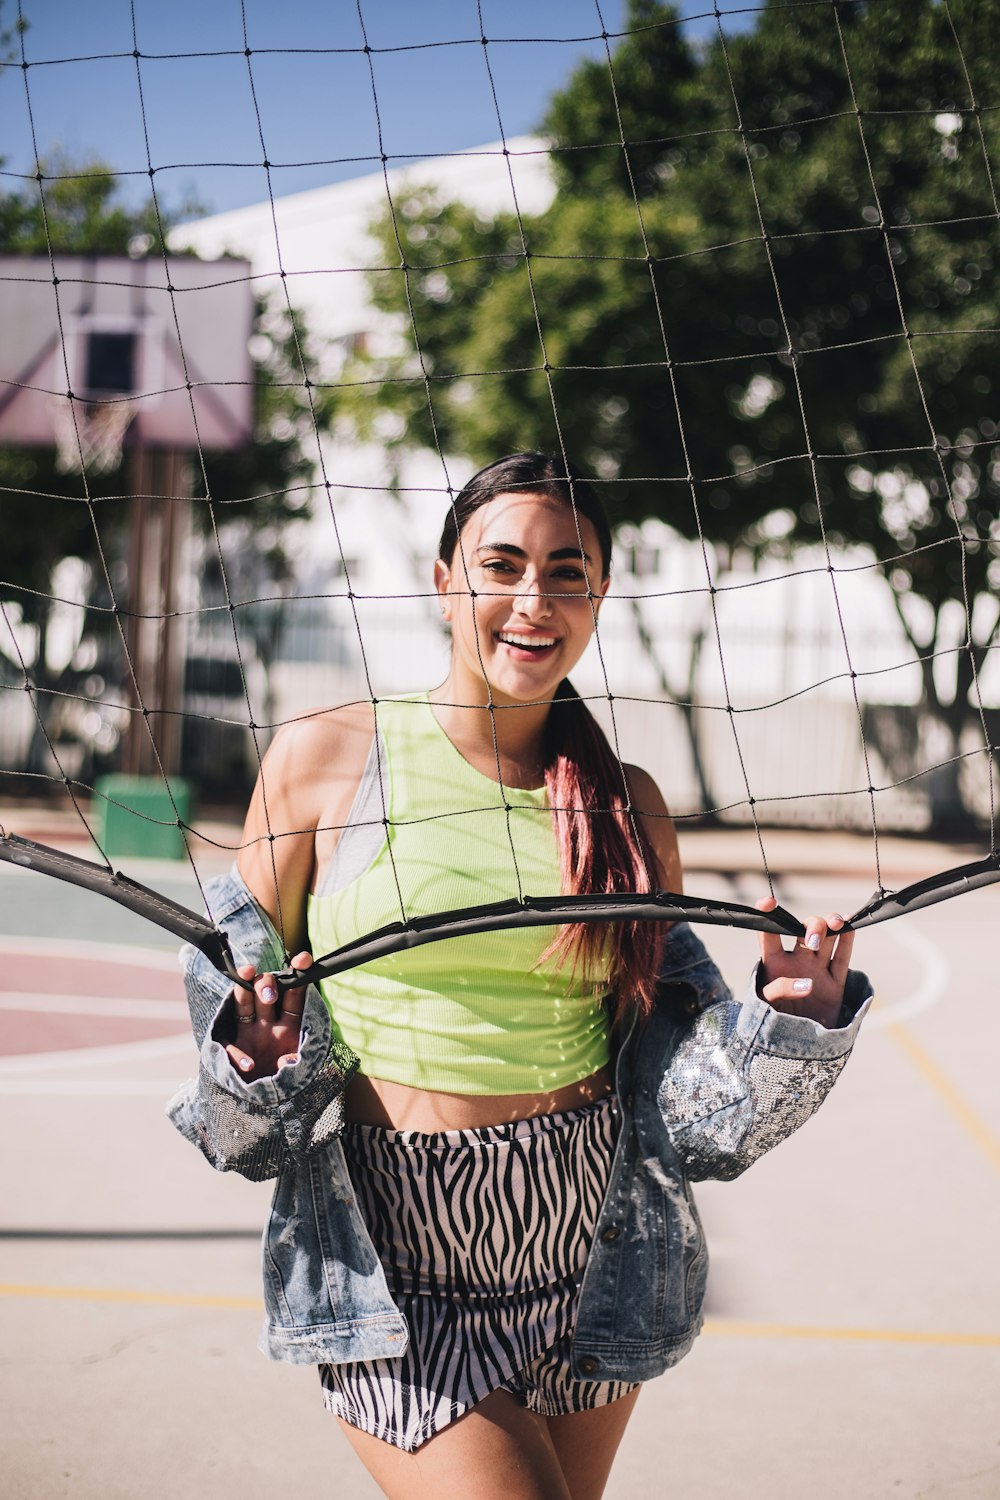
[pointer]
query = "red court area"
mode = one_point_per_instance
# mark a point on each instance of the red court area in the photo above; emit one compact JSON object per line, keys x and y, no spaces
{"x":59,"y":1002}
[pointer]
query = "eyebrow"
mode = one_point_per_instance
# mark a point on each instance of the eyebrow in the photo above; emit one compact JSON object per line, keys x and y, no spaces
{"x":559,"y":555}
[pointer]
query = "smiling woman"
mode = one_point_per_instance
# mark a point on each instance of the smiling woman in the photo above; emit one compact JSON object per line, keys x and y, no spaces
{"x":485,"y":1241}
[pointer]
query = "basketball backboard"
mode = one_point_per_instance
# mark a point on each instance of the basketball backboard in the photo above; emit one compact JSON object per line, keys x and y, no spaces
{"x":165,"y":343}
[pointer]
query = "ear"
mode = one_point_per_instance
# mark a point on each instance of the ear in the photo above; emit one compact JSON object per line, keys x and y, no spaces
{"x":442,"y":582}
{"x":600,"y":592}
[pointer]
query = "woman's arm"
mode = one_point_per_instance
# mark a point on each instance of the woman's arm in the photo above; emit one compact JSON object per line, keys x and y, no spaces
{"x":647,"y":800}
{"x":277,"y":851}
{"x":303,"y":795}
{"x":251,"y":1122}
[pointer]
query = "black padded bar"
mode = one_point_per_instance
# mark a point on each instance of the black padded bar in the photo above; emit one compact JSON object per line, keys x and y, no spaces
{"x":117,"y":887}
{"x":541,"y":911}
{"x":885,"y":905}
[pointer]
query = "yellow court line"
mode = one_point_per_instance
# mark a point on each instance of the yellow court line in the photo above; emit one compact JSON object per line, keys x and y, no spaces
{"x":116,"y":1294}
{"x":718,"y":1327}
{"x":947,"y":1093}
{"x":725,"y":1329}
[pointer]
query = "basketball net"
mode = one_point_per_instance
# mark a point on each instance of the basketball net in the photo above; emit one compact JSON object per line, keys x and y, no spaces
{"x":90,"y":435}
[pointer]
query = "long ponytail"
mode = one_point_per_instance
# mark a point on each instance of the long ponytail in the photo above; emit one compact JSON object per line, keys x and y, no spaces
{"x":603,"y":849}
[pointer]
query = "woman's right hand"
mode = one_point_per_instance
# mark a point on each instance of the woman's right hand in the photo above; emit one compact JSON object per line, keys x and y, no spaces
{"x":268,"y":1027}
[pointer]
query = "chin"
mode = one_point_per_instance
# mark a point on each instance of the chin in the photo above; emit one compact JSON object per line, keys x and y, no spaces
{"x":531,"y":691}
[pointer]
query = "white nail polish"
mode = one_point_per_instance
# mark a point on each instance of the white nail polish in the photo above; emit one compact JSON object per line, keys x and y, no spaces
{"x":268,"y":994}
{"x":813,"y":941}
{"x":802,"y":986}
{"x":246,"y":1064}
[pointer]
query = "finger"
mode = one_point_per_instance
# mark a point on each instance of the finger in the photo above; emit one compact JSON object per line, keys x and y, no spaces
{"x":243,"y":994}
{"x":240,"y":1059}
{"x":787,"y":989}
{"x":289,"y":1059}
{"x":841,"y":961}
{"x":815,"y":935}
{"x":770,"y":942}
{"x":293,"y":1001}
{"x":267,"y":998}
{"x":831,"y":926}
{"x":245,"y":971}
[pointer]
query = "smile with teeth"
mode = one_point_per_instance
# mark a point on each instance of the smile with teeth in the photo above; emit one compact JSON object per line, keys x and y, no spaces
{"x":526,"y":642}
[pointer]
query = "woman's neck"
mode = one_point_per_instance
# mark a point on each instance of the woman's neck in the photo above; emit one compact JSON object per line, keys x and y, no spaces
{"x":515,"y":732}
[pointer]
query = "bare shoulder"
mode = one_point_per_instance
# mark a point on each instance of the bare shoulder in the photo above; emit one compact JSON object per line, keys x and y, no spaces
{"x":315,"y":757}
{"x":645,"y":792}
{"x":648,"y":801}
{"x":307,"y":782}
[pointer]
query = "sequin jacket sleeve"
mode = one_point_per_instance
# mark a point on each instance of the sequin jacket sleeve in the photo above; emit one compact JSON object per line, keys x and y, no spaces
{"x":743,"y":1077}
{"x":252,"y":1128}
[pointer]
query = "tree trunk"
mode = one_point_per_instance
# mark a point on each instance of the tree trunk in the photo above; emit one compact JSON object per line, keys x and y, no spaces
{"x":687,"y":708}
{"x":950,"y":817}
{"x":942,"y":724}
{"x":38,"y":761}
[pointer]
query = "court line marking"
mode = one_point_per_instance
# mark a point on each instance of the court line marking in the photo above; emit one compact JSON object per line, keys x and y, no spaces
{"x":123,"y":1294}
{"x":940,"y":1084}
{"x":935,"y":974}
{"x":716,"y":1327}
{"x":163,"y":1089}
{"x":40,"y":949}
{"x":94,"y":1005}
{"x":735,"y":1329}
{"x":23,"y":1074}
{"x":81,"y":1057}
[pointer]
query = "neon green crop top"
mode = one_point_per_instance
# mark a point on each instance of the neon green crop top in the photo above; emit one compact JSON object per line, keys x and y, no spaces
{"x":468,"y":1015}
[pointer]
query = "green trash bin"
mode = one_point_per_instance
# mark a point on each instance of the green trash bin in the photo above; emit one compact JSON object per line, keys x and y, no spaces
{"x":134,"y":815}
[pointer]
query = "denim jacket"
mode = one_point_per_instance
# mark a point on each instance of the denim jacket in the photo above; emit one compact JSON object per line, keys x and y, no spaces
{"x":704,"y":1087}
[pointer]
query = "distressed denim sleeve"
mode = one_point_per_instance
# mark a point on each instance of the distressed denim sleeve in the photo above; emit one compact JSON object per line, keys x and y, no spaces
{"x":252,"y":1128}
{"x":746,"y":1076}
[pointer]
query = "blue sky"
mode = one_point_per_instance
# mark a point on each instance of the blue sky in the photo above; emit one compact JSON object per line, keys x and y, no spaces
{"x":316,"y":106}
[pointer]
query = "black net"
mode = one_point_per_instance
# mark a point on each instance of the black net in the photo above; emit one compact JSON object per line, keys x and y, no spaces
{"x":744,"y":277}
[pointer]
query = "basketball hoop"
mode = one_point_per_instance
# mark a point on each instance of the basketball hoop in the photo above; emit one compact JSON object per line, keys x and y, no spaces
{"x":90,"y":434}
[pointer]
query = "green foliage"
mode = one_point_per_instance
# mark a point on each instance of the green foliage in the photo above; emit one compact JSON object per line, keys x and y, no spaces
{"x":794,"y":254}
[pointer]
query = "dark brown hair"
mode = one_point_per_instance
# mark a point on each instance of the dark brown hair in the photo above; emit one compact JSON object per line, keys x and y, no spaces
{"x":603,"y":847}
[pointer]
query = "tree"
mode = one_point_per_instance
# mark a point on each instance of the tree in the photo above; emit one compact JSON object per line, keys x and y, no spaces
{"x":779,"y":294}
{"x":258,"y":490}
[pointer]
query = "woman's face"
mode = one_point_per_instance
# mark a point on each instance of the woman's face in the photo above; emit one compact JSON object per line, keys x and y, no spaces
{"x":521,"y":618}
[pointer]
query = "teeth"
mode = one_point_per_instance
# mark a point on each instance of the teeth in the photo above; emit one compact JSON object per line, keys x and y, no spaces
{"x":527,"y":640}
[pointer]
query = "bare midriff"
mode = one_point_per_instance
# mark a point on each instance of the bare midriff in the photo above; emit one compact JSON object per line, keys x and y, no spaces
{"x":375,"y":1101}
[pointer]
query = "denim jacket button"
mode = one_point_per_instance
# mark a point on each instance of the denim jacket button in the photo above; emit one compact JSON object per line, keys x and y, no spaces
{"x":589,"y":1365}
{"x":610,"y":1234}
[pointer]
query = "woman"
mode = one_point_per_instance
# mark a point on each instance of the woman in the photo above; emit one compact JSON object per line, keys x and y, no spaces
{"x":515,"y":1206}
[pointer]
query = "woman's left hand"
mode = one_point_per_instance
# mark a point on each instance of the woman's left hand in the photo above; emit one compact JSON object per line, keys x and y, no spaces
{"x":807,"y":980}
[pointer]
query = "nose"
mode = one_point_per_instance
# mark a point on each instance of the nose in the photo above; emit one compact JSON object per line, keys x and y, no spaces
{"x":532,"y":600}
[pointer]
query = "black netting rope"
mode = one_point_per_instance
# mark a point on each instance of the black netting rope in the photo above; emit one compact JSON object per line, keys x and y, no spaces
{"x":884,"y":903}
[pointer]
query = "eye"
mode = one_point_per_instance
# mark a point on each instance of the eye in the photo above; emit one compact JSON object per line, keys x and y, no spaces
{"x":496,"y":565}
{"x":570,"y":571}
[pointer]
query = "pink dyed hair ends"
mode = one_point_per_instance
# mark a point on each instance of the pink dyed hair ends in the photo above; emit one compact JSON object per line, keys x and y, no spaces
{"x":603,"y":849}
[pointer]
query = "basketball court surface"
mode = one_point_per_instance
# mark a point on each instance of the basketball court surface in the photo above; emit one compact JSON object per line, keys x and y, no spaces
{"x":853,"y":1340}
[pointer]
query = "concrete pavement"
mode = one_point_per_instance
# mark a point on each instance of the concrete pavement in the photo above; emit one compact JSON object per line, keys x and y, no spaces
{"x":853,"y":1344}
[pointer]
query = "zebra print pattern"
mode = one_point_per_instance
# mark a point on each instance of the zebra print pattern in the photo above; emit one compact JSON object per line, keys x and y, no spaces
{"x":484,"y":1237}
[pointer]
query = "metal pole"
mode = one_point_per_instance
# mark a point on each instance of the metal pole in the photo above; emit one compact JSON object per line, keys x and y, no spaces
{"x":159,"y":526}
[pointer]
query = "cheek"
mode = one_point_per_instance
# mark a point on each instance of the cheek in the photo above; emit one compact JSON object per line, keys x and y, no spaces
{"x":470,"y":618}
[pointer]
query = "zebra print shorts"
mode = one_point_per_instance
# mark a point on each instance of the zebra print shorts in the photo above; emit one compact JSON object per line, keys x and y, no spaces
{"x":484,"y":1236}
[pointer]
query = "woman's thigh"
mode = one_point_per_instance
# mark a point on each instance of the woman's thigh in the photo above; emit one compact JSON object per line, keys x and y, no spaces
{"x":501,"y":1451}
{"x":586,"y":1443}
